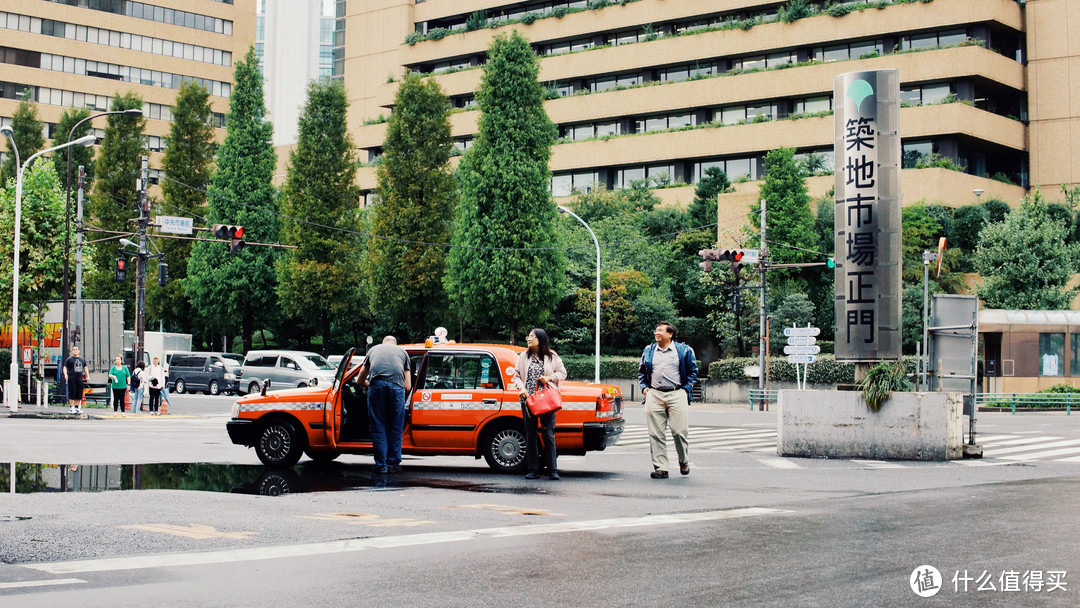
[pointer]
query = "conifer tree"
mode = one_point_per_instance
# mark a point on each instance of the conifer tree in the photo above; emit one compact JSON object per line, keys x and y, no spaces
{"x":318,"y":281}
{"x":417,"y":199}
{"x":79,"y":155}
{"x":27,"y":134}
{"x":187,"y":165}
{"x":115,"y":201}
{"x":236,"y":292}
{"x":507,"y":268}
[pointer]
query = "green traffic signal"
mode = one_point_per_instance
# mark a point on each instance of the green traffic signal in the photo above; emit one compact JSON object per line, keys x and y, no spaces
{"x":831,"y":263}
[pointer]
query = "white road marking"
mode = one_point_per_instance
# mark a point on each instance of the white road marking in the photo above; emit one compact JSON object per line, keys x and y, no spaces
{"x":139,"y":562}
{"x":1025,"y":440}
{"x":1044,"y":454}
{"x":779,"y":463}
{"x":48,"y":583}
{"x":1027,"y":448}
{"x":879,"y":464}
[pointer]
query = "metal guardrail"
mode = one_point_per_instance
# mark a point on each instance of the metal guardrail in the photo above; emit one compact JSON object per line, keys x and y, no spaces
{"x":759,"y":396}
{"x":1041,"y":400}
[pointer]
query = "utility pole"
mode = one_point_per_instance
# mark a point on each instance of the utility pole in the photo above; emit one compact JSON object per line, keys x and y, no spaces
{"x":140,"y":271}
{"x":763,"y":336}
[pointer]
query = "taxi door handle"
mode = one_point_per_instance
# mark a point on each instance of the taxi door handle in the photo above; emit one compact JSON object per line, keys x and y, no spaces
{"x":490,"y":402}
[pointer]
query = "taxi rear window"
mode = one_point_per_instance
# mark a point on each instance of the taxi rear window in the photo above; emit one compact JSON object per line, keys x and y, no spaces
{"x":461,"y":371}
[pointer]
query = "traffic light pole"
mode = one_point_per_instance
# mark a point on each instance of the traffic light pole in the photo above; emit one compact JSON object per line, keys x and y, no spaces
{"x":141,"y":259}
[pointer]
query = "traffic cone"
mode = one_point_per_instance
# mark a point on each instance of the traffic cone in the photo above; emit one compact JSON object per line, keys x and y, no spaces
{"x":164,"y":406}
{"x":82,"y":403}
{"x":127,"y":400}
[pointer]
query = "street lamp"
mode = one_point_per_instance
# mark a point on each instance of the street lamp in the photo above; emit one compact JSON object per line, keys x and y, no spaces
{"x":67,"y":228}
{"x":596,"y":377}
{"x":12,"y":394}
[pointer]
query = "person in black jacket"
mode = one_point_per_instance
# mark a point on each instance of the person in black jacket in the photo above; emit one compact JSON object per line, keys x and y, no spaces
{"x":666,"y":375}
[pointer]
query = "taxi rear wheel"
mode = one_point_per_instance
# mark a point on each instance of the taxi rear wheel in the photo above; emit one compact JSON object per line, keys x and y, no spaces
{"x":278,"y":444}
{"x":503,"y":447}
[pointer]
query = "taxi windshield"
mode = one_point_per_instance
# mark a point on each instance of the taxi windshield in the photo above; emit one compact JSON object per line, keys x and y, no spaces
{"x":317,"y":362}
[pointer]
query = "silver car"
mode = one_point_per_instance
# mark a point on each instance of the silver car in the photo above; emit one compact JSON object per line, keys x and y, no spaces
{"x":285,"y":369}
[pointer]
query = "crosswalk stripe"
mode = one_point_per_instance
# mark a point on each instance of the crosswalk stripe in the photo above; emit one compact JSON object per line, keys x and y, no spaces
{"x":879,"y":464}
{"x":1043,"y":454}
{"x":988,"y":444}
{"x":1027,"y":448}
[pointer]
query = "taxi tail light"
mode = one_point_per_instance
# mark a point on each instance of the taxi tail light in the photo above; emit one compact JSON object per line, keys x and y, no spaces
{"x":607,"y":405}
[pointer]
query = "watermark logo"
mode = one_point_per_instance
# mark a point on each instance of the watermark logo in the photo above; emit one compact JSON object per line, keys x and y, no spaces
{"x":925,"y":581}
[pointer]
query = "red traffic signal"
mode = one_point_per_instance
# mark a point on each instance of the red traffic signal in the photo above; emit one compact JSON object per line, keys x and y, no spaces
{"x":226,"y":231}
{"x":121,"y":269}
{"x":233,"y":233}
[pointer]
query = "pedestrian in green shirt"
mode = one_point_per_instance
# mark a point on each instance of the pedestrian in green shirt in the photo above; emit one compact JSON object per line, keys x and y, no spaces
{"x":119,"y":376}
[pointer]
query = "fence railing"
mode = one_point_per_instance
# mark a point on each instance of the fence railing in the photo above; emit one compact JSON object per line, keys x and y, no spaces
{"x":760,"y":396}
{"x":1028,"y":400}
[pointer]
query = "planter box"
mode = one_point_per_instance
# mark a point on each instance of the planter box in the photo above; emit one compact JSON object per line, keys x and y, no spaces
{"x":837,"y":424}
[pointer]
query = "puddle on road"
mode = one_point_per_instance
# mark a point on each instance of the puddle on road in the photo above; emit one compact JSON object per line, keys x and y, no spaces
{"x":234,"y":478}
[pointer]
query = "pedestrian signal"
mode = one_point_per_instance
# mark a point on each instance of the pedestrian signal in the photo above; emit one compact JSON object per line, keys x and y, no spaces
{"x":162,"y":273}
{"x":121,"y":269}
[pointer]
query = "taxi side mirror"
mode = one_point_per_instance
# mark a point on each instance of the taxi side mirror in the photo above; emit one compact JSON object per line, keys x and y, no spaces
{"x":266,"y":386}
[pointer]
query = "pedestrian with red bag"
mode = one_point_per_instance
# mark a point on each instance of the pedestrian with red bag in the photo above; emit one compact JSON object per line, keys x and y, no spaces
{"x":538,"y":373}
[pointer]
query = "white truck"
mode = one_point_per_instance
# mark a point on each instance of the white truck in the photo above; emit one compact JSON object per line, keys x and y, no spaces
{"x":157,"y":343}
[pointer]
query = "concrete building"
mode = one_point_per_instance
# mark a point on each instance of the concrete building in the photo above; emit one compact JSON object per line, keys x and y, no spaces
{"x":662,"y":89}
{"x":294,"y":42}
{"x":80,"y":53}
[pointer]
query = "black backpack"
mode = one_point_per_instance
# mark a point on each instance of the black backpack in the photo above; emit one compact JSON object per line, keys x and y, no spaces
{"x":135,"y":381}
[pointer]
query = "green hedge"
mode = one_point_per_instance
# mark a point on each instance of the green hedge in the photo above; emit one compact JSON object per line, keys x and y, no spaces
{"x":583,"y":367}
{"x":825,"y":370}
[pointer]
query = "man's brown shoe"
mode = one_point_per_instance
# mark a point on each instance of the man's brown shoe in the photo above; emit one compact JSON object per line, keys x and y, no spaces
{"x":658,"y":474}
{"x":684,"y":468}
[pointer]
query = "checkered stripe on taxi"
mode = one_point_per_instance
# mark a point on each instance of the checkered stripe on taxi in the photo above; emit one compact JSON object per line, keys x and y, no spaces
{"x":280,"y":405}
{"x":479,"y":405}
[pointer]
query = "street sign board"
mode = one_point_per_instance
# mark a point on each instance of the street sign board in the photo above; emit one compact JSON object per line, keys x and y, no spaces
{"x":801,"y":340}
{"x":27,"y":355}
{"x":802,"y":331}
{"x":801,"y":358}
{"x":174,"y":225}
{"x":751,"y":256}
{"x":812,"y":349}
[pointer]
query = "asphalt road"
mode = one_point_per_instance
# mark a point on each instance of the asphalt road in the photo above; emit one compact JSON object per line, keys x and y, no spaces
{"x":745,"y":528}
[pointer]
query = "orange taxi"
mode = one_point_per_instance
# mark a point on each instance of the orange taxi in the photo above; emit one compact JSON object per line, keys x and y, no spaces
{"x":462,"y":402}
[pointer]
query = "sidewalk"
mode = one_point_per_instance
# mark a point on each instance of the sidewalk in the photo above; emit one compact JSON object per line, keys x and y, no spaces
{"x":56,"y":411}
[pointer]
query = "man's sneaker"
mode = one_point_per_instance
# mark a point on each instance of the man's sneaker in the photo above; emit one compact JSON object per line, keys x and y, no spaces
{"x":71,"y":410}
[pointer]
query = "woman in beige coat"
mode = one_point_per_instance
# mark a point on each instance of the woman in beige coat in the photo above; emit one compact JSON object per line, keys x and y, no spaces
{"x":537,"y":368}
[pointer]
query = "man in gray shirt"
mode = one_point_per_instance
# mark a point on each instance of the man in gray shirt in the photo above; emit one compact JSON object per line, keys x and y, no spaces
{"x":666,"y":375}
{"x":386,"y":374}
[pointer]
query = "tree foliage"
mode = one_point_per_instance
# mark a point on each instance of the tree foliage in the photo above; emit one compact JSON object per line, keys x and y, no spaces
{"x":237,"y":291}
{"x":187,"y":165}
{"x":26,"y":130}
{"x":417,"y":200}
{"x":789,"y":224}
{"x":79,"y":155}
{"x":506,"y":268}
{"x":703,"y":207}
{"x":41,"y":235}
{"x":115,"y":199}
{"x":318,"y":280}
{"x":1026,"y":260}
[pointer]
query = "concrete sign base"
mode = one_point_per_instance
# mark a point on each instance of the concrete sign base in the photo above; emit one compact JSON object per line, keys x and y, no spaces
{"x":837,"y":424}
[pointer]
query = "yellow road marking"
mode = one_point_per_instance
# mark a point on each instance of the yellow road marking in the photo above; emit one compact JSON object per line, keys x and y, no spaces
{"x":366,"y":519}
{"x":200,"y":531}
{"x":504,"y":509}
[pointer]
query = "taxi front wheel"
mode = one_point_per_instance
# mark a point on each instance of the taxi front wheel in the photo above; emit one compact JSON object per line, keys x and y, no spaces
{"x":278,"y":444}
{"x":503,"y":447}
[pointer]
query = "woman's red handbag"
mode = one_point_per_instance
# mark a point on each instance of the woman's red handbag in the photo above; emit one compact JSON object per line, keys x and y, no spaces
{"x":544,"y":401}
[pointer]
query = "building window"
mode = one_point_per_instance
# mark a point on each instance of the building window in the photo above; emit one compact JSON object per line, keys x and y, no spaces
{"x":1051,"y":354}
{"x":1074,"y":355}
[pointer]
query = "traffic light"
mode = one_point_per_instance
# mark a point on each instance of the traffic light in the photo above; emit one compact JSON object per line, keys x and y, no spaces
{"x":734,"y":256}
{"x":234,"y":233}
{"x":162,"y":273}
{"x":831,"y":263}
{"x":121,"y":268}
